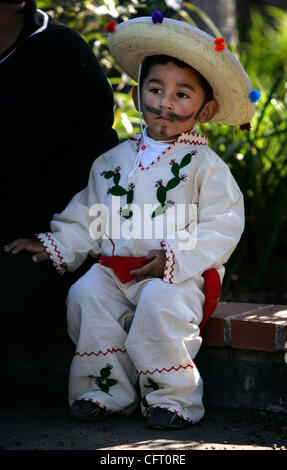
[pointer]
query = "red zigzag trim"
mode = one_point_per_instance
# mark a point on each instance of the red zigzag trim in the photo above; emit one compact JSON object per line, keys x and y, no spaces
{"x":180,"y":140}
{"x":54,"y":246}
{"x":113,"y":350}
{"x":164,"y":369}
{"x":163,"y":245}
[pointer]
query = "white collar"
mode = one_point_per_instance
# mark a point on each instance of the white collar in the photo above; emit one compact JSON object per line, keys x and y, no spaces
{"x":155,"y":143}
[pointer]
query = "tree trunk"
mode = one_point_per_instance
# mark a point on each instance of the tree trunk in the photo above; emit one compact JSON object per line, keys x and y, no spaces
{"x":223,"y":14}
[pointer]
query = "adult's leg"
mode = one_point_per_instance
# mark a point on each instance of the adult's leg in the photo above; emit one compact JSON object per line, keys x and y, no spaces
{"x":101,"y":370}
{"x":32,"y":295}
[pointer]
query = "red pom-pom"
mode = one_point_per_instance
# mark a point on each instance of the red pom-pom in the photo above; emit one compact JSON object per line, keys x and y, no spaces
{"x":220,"y":47}
{"x":110,"y":27}
{"x":219,"y":44}
{"x":246,"y":127}
{"x":219,"y":40}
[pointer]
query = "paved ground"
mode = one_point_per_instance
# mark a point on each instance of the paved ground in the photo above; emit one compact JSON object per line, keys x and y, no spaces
{"x":39,"y":423}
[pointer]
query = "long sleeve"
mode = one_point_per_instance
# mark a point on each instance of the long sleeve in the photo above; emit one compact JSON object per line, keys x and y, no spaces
{"x":70,"y":241}
{"x":211,"y":237}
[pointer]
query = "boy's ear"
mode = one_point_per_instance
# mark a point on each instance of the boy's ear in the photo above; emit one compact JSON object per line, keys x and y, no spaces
{"x":135,"y":97}
{"x":208,"y":111}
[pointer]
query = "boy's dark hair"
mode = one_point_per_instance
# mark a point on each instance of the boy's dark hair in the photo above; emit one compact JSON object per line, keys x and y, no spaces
{"x":163,"y":59}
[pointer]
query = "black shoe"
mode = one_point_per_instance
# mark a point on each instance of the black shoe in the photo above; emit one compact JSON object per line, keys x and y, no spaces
{"x":82,"y":410}
{"x":159,"y":418}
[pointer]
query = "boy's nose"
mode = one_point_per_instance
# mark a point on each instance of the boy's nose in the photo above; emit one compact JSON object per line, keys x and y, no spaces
{"x":166,"y":101}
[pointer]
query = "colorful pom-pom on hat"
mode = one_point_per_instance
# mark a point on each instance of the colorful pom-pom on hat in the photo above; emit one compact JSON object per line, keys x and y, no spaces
{"x":157,"y":17}
{"x":246,"y":127}
{"x":219,"y":44}
{"x":254,"y":96}
{"x":111,"y":27}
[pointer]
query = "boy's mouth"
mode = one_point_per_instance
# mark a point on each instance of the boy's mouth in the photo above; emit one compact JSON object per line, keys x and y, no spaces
{"x":167,"y":116}
{"x":164,"y":118}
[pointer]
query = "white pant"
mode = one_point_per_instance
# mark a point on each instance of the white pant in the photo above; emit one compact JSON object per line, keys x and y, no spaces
{"x":147,"y":330}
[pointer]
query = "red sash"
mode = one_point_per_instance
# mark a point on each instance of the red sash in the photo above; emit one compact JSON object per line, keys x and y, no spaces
{"x":122,"y":265}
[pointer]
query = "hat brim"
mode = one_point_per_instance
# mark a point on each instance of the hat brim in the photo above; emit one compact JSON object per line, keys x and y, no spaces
{"x":134,"y":40}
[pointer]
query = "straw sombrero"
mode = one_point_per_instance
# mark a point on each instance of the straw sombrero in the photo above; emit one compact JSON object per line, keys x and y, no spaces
{"x":132,"y":41}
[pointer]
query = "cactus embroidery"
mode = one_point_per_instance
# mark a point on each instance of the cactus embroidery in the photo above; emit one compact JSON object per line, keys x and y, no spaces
{"x":161,"y":193}
{"x":118,"y":190}
{"x":104,"y":382}
{"x":177,"y":178}
{"x":151,"y":384}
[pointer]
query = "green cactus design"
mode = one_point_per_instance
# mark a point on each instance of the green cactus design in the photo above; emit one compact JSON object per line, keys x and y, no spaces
{"x":118,"y":190}
{"x":104,"y":382}
{"x":151,"y":384}
{"x":162,"y":190}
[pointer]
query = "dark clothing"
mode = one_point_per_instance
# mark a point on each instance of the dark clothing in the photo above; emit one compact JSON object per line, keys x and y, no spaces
{"x":56,"y":113}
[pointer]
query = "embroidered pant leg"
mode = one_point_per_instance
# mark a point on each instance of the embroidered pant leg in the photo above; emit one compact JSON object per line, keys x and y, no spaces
{"x":101,"y":370}
{"x":162,"y":343}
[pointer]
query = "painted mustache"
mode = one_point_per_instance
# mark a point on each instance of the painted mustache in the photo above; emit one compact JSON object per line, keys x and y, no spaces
{"x":168,"y":114}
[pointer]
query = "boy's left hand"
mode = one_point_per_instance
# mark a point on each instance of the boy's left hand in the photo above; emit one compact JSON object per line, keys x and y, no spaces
{"x":27,"y":244}
{"x":153,"y":269}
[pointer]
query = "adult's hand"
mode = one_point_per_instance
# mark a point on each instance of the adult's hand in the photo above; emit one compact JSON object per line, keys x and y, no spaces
{"x":27,"y":244}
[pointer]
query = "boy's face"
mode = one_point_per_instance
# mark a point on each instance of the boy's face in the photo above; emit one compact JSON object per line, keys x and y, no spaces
{"x":171,"y":97}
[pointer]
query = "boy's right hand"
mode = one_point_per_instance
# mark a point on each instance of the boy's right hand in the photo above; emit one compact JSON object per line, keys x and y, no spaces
{"x":27,"y":244}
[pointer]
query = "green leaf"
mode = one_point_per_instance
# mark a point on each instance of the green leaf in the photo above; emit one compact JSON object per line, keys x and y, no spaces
{"x":130,"y":196}
{"x":159,"y":210}
{"x":105,"y":372}
{"x":118,"y":191}
{"x":161,"y":194}
{"x":104,"y":388}
{"x":173,"y":183}
{"x":111,"y":382}
{"x":128,"y":215}
{"x":186,"y":160}
{"x":175,"y":169}
{"x":117,"y":178}
{"x":109,"y":174}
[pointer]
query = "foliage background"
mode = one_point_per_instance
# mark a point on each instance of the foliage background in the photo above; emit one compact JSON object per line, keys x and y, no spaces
{"x":258,"y":159}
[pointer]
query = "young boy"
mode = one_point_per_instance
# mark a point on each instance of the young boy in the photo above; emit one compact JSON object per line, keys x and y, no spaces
{"x":136,"y":315}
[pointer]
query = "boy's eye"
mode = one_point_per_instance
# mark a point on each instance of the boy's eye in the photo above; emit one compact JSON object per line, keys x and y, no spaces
{"x":156,"y":91}
{"x":181,"y":94}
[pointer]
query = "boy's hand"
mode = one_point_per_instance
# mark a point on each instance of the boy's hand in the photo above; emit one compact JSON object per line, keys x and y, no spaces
{"x":33,"y":246}
{"x":153,"y":269}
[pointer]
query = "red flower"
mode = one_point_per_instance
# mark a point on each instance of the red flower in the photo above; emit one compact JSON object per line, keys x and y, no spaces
{"x":219,"y":44}
{"x":110,"y":27}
